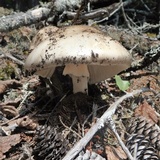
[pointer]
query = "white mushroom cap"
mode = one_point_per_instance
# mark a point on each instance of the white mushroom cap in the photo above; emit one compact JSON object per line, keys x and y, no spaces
{"x":42,"y":35}
{"x":87,"y":54}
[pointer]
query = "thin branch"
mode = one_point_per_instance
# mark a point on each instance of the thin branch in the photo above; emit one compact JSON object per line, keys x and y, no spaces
{"x":124,"y":15}
{"x":69,"y":128}
{"x":111,"y":125}
{"x":98,"y":125}
{"x":9,"y":55}
{"x":117,"y":8}
{"x":101,"y":13}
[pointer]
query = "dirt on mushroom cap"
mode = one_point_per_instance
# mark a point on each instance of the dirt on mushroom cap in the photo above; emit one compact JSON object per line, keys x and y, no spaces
{"x":80,"y":45}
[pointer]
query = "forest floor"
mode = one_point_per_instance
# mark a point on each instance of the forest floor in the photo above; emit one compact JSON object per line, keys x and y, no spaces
{"x":27,"y":106}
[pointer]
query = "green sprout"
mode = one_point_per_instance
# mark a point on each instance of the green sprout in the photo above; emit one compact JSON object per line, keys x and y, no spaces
{"x":123,"y":85}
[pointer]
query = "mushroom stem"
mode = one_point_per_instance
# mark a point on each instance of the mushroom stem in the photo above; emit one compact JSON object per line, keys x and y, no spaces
{"x":80,"y":76}
{"x":80,"y":84}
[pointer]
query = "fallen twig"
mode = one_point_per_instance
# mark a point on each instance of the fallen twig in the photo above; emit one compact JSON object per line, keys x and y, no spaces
{"x":100,"y":14}
{"x":111,"y":125}
{"x":98,"y":125}
{"x":69,"y":128}
{"x":17,"y":20}
{"x":9,"y":55}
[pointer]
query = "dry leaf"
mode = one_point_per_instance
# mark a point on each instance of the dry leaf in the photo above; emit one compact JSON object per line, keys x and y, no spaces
{"x":26,"y":122}
{"x":146,"y":111}
{"x":110,"y":154}
{"x":4,"y":85}
{"x":8,"y":142}
{"x":119,"y":151}
{"x":143,"y":79}
{"x":115,"y":153}
{"x":9,"y":110}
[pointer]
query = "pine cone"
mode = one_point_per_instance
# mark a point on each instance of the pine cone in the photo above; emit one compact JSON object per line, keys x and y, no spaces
{"x":140,"y":146}
{"x":144,"y":140}
{"x":140,"y":125}
{"x":50,"y":144}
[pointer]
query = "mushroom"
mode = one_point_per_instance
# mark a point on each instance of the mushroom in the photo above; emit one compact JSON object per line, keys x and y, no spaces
{"x":87,"y":54}
{"x":42,"y":35}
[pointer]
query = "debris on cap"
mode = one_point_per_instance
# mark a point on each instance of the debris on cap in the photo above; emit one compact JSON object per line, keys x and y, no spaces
{"x":87,"y":54}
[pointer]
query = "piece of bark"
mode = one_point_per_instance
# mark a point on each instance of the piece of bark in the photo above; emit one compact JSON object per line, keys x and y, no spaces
{"x":146,"y":111}
{"x":7,"y":142}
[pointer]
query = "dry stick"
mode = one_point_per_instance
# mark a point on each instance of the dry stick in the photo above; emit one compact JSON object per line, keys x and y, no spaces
{"x":69,"y":128}
{"x":126,"y":18}
{"x":124,"y":15}
{"x":117,"y":8}
{"x":147,"y":26}
{"x":98,"y":125}
{"x":146,"y":7}
{"x":23,"y":19}
{"x":101,"y":13}
{"x":111,"y":125}
{"x":9,"y":55}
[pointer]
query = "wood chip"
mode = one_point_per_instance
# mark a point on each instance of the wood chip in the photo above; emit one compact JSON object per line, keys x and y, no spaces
{"x":7,"y":142}
{"x":146,"y":111}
